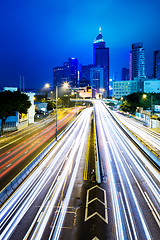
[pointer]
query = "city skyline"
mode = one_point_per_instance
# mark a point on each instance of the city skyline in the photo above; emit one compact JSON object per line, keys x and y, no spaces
{"x":38,"y":36}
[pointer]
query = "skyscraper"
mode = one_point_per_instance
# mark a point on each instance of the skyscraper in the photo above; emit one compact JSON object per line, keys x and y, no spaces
{"x":157,"y":64}
{"x":137,"y":61}
{"x":85,"y":75}
{"x":58,"y":76}
{"x":73,"y":65}
{"x":67,"y":73}
{"x":125,"y":74}
{"x":101,"y":59}
{"x":96,"y":78}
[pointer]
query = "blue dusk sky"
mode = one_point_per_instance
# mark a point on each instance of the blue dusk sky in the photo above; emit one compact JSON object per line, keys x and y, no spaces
{"x":37,"y":35}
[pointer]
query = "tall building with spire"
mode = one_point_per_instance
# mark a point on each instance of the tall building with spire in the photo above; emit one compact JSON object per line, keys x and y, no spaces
{"x":157,"y":64}
{"x":101,"y":59}
{"x":137,"y":61}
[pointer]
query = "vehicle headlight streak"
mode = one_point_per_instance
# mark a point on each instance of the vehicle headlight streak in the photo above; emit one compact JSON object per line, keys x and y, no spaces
{"x":10,"y":207}
{"x":44,"y":219}
{"x":130,"y":149}
{"x":146,"y":134}
{"x":70,"y":188}
{"x":116,"y":207}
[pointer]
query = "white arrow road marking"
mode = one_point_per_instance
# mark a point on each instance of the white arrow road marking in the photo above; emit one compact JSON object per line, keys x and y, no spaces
{"x":96,"y":199}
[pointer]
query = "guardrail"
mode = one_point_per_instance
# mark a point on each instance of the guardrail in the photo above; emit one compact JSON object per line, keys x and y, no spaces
{"x":12,"y":186}
{"x":97,"y":158}
{"x":153,"y":158}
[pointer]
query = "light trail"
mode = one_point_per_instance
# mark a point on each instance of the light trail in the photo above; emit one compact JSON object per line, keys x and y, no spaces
{"x":121,"y":153}
{"x":62,"y":156}
{"x":49,"y":132}
{"x":142,"y":132}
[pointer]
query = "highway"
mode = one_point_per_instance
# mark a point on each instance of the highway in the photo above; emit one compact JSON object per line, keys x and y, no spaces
{"x":147,"y":135}
{"x":131,"y":182}
{"x":49,"y":187}
{"x":58,"y":201}
{"x":18,"y":149}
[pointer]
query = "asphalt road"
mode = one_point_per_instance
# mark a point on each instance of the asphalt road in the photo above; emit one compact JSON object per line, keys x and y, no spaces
{"x":20,"y":148}
{"x":38,"y":208}
{"x":149,"y":137}
{"x":57,"y":202}
{"x":131,"y":182}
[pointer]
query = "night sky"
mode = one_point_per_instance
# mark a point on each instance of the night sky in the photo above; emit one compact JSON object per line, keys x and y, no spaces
{"x":37,"y":35}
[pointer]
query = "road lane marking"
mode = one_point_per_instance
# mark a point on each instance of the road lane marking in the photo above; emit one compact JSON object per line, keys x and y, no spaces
{"x":39,"y":217}
{"x":153,"y":210}
{"x":125,"y":214}
{"x":148,"y":201}
{"x":10,"y":143}
{"x":96,"y":199}
{"x":87,"y":157}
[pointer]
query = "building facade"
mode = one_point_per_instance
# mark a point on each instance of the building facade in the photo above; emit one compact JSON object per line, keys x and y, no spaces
{"x":152,"y":86}
{"x":125,"y":74}
{"x":124,"y":88}
{"x":137,"y":61}
{"x":66,"y":73}
{"x":85,"y":75}
{"x":96,"y":78}
{"x":157,"y":64}
{"x":101,"y":59}
{"x":58,"y":76}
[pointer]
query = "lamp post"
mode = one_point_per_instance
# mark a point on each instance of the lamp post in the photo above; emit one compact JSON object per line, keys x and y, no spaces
{"x":65,"y":85}
{"x":76,"y":103}
{"x":56,"y":109}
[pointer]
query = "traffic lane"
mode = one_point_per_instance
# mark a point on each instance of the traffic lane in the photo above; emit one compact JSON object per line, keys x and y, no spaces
{"x":19,"y":136}
{"x":31,"y":140}
{"x":13,"y":137}
{"x":69,"y":159}
{"x":24,"y":159}
{"x":142,"y":132}
{"x":36,"y":127}
{"x":126,"y":179}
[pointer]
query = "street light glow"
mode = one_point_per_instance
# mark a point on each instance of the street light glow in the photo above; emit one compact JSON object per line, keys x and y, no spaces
{"x":65,"y":85}
{"x":47,"y":85}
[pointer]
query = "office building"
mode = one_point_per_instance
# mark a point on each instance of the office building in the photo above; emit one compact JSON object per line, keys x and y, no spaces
{"x":83,"y":92}
{"x":58,"y":73}
{"x":125,"y":74}
{"x":157,"y":64}
{"x":101,"y":59}
{"x":85,"y":75}
{"x":137,"y":61}
{"x":73,"y":74}
{"x":152,"y":86}
{"x":124,"y":88}
{"x":66,"y":73}
{"x":96,"y":78}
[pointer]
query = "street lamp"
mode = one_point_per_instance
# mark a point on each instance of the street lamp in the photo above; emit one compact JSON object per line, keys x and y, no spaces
{"x":65,"y":85}
{"x":47,"y":85}
{"x":56,"y":109}
{"x":101,"y":91}
{"x":144,"y":96}
{"x":121,"y":100}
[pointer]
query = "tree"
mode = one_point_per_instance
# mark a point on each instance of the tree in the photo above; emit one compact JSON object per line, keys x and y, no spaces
{"x":134,"y":100}
{"x":11,"y":102}
{"x":51,"y":105}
